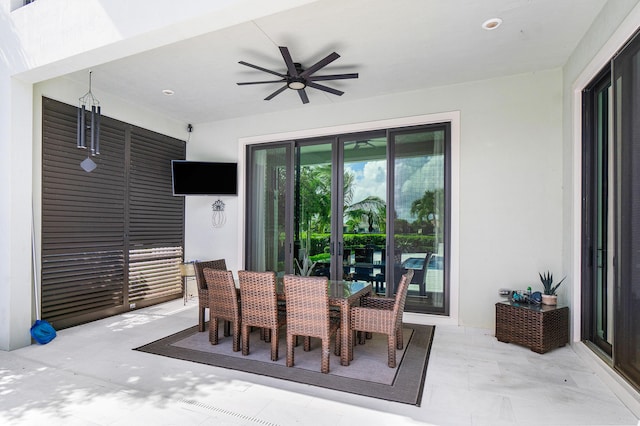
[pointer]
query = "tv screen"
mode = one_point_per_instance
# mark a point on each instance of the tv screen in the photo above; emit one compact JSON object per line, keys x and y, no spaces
{"x":204,"y":178}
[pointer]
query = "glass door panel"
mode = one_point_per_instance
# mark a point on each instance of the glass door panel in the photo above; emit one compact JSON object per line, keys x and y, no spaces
{"x":420,"y":212}
{"x":626,"y":90}
{"x":313,"y":196}
{"x":268,"y":248}
{"x":598,"y":214}
{"x":364,"y":212}
{"x":603,"y":242}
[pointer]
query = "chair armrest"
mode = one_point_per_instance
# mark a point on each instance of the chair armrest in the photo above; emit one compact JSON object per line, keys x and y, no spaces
{"x":377,"y":303}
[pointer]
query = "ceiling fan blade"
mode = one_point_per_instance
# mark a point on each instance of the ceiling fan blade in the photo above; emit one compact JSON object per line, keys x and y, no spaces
{"x":321,"y":63}
{"x":261,"y":69}
{"x":260,"y":82}
{"x":277,"y":92}
{"x":324,"y":88}
{"x":332,"y":77}
{"x":288,"y":61}
{"x":303,"y":96}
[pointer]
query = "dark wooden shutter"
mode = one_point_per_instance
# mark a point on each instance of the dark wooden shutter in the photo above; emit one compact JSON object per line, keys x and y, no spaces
{"x":90,"y":221}
{"x":156,"y":219}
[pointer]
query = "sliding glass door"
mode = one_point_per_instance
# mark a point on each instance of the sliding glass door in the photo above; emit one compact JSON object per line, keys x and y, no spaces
{"x":598,"y":214}
{"x":420,"y":215}
{"x":315,"y":199}
{"x":361,"y":234}
{"x":269,"y":203}
{"x":362,"y":207}
{"x":626,"y":89}
{"x":340,"y":188}
{"x":611,"y":213}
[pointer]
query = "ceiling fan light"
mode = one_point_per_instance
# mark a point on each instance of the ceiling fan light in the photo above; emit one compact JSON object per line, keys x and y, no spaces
{"x":296,"y":85}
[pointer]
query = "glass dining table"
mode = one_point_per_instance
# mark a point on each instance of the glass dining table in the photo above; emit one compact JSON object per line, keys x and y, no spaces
{"x":342,"y":294}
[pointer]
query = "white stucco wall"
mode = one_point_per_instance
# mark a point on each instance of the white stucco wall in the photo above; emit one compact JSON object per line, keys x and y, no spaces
{"x":510,"y":177}
{"x":15,"y":214}
{"x":15,"y":192}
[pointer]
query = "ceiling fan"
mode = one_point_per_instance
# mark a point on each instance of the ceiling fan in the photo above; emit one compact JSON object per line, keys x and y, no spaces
{"x":365,"y":142}
{"x":298,"y":78}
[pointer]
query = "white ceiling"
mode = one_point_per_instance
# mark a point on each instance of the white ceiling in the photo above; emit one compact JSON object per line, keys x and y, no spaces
{"x":395,"y":46}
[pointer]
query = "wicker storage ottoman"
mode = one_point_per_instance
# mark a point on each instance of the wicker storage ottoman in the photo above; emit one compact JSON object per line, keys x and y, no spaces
{"x":538,"y":327}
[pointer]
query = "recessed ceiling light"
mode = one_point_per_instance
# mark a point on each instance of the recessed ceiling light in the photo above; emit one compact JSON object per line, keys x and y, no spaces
{"x":168,"y":92}
{"x":491,"y":24}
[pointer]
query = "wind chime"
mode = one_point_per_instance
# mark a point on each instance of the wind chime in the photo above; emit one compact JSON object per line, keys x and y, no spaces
{"x":89,"y":125}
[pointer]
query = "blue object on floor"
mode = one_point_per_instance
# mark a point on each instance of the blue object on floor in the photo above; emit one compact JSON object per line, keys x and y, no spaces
{"x":42,"y":332}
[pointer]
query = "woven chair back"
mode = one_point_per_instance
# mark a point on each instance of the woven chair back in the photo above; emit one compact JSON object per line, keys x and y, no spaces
{"x":307,"y":305}
{"x":401,"y":296}
{"x":258,"y":295}
{"x":223,"y":298}
{"x":211,"y":264}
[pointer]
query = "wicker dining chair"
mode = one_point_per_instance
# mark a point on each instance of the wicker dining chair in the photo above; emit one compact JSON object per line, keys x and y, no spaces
{"x":203,"y":295}
{"x":223,"y":304}
{"x":383,"y":315}
{"x":308,"y":316}
{"x":260,"y":308}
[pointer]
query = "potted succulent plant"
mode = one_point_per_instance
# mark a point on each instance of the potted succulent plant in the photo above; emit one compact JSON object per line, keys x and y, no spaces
{"x":549,"y":296}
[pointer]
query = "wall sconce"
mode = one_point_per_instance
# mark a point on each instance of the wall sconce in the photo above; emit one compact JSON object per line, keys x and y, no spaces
{"x":218,"y":218}
{"x":86,"y":102}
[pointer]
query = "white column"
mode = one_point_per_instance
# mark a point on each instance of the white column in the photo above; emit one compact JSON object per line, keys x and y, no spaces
{"x":16,"y":171}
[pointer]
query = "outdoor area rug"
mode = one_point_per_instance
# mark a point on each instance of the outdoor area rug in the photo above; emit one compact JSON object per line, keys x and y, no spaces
{"x":368,"y":374}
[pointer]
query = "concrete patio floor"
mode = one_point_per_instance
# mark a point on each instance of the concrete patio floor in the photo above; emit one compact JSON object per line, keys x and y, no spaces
{"x":89,"y":375}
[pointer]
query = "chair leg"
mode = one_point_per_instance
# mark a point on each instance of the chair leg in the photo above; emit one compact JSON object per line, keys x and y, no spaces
{"x":338,"y":345}
{"x":274,"y":344}
{"x":307,"y":343}
{"x":236,"y":336}
{"x":399,"y":338}
{"x":391,"y":347}
{"x":351,"y":341}
{"x":201,"y":319}
{"x":290,"y":345}
{"x":213,"y":331}
{"x":227,"y":328}
{"x":245,"y":340}
{"x":325,"y":356}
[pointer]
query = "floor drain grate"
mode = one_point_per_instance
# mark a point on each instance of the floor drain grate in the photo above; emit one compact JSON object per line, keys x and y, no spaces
{"x":228,"y":413}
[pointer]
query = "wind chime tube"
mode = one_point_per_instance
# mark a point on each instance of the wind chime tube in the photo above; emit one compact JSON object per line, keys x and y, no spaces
{"x":78,"y":127}
{"x":98,"y":131}
{"x":93,"y":130}
{"x":82,"y":142}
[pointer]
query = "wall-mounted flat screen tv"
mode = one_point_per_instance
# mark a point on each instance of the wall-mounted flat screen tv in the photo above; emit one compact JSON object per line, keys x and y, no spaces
{"x":204,"y":178}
